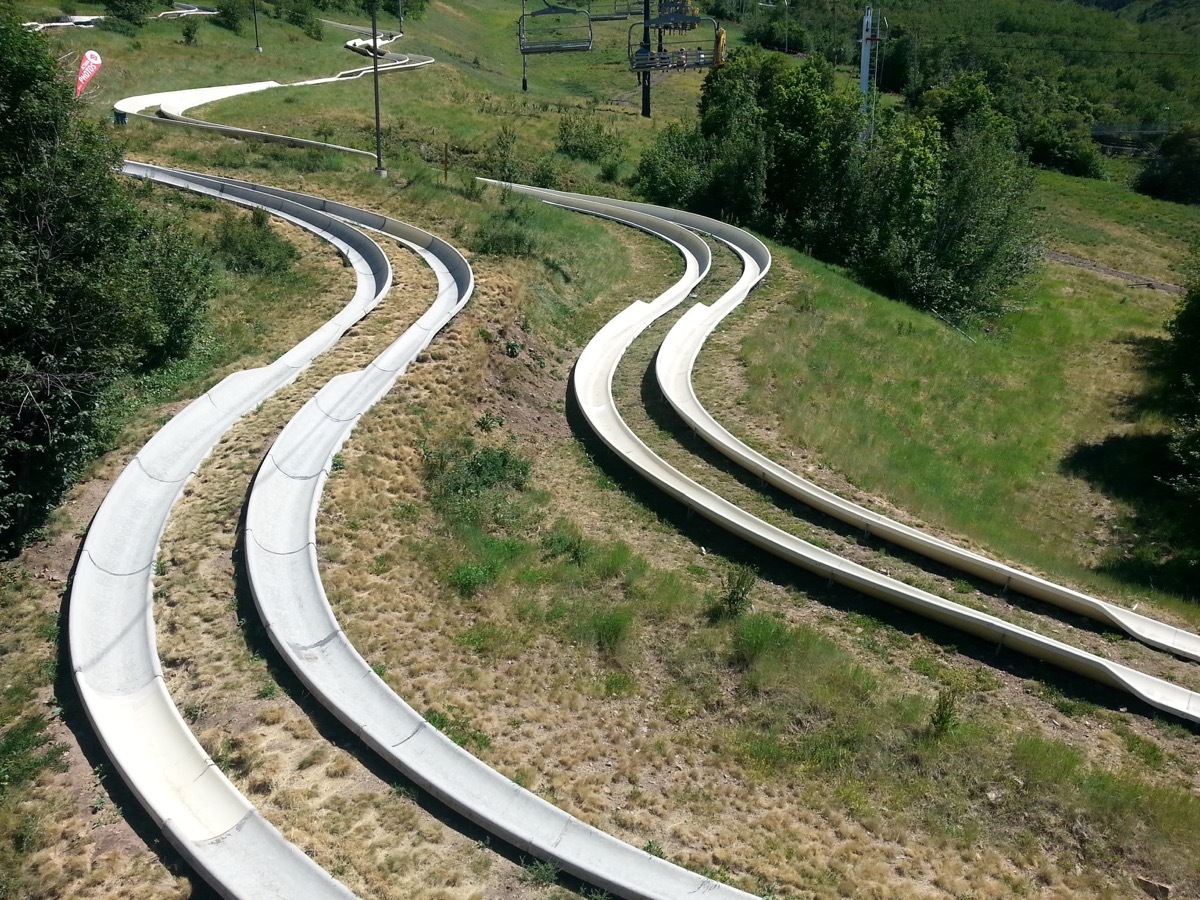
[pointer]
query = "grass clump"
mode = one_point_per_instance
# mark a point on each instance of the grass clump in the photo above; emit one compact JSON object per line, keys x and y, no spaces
{"x":507,"y":232}
{"x":455,"y":725}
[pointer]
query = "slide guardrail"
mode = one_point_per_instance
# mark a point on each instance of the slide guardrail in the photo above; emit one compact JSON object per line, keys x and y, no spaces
{"x":280,"y":545}
{"x":110,"y":617}
{"x":593,"y":386}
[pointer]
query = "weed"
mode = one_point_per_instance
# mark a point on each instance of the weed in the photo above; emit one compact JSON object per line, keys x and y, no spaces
{"x":26,"y":749}
{"x":489,"y":422}
{"x":455,"y":725}
{"x":469,"y":579}
{"x":944,"y":717}
{"x":538,"y":871}
{"x":608,"y":630}
{"x":506,"y":233}
{"x":268,"y":690}
{"x":338,"y":463}
{"x":653,"y":849}
{"x":739,"y":581}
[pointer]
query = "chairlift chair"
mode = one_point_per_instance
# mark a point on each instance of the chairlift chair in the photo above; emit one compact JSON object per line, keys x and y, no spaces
{"x":554,"y":29}
{"x":678,"y":45}
{"x":621,"y":10}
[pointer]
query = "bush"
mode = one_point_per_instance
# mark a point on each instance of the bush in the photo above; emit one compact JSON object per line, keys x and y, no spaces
{"x":250,"y":246}
{"x":232,"y":14}
{"x":1174,"y":174}
{"x":506,"y":233}
{"x":191,"y":30}
{"x":132,"y":11}
{"x":584,"y":136}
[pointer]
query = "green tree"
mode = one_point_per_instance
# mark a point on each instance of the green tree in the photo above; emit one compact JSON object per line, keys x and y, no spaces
{"x":91,"y":285}
{"x":134,"y":11}
{"x":932,"y":211}
{"x":1174,"y":174}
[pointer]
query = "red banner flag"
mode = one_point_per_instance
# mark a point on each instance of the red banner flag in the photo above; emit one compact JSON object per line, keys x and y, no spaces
{"x":88,"y":66}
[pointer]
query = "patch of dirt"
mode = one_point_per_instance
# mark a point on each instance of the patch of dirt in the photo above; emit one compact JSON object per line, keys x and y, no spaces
{"x":1136,"y":280}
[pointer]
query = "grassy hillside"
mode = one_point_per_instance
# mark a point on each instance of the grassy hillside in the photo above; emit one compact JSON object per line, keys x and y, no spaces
{"x":561,"y":625}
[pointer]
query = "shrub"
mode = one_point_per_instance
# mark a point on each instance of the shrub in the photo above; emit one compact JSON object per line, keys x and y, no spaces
{"x":1174,"y":173}
{"x":251,"y":246}
{"x":506,"y":233}
{"x":735,"y":601}
{"x":132,"y":11}
{"x":583,"y":136}
{"x":191,"y":30}
{"x":232,"y":14}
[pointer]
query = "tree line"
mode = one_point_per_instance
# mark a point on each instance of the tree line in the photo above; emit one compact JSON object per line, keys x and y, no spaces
{"x":99,"y":286}
{"x":1054,"y":68}
{"x":931,"y":208}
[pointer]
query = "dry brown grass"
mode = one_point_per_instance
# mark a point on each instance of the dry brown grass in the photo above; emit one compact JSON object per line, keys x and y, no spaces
{"x":650,"y":764}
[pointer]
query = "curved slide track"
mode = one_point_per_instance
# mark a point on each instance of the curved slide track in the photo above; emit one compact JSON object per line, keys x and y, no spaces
{"x":173,"y":105}
{"x":674,"y":364}
{"x":593,"y":387}
{"x":111,"y":626}
{"x":284,"y":579}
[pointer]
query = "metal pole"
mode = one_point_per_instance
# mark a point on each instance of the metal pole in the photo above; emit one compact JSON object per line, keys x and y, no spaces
{"x":379,"y":169}
{"x":524,"y":58}
{"x":257,"y":45}
{"x":646,"y":51}
{"x":787,"y":24}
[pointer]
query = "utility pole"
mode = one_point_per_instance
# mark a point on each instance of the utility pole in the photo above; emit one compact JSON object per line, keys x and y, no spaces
{"x":257,"y":45}
{"x":379,"y":169}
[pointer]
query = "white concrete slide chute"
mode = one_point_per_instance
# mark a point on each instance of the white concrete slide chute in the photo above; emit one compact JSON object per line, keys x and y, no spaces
{"x":111,"y":626}
{"x":593,"y":386}
{"x":674,"y":365}
{"x":173,"y":105}
{"x":284,"y":579}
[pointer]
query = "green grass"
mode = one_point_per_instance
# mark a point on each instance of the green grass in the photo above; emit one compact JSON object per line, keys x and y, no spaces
{"x":1107,"y":222}
{"x":972,"y":433}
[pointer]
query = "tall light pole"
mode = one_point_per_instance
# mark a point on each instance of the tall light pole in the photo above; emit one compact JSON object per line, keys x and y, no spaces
{"x":379,"y":169}
{"x":254,"y":6}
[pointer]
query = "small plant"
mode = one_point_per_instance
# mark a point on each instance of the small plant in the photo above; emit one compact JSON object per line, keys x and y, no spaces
{"x":653,"y":849}
{"x":337,"y":463}
{"x":512,"y":348}
{"x":379,"y":669}
{"x":191,"y":31}
{"x":489,"y":422}
{"x":268,"y":690}
{"x":735,"y":600}
{"x":469,"y":579}
{"x":538,"y":871}
{"x":943,"y":720}
{"x":456,"y":726}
